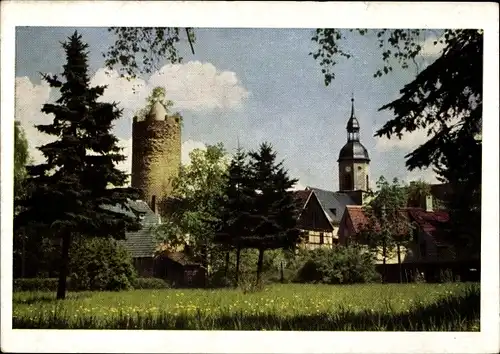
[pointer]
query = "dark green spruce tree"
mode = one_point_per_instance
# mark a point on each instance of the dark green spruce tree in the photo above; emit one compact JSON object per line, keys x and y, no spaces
{"x":236,"y":207}
{"x":68,"y":191}
{"x":272,"y":214}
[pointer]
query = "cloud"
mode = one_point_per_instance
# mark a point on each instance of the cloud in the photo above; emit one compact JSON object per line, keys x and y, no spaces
{"x":429,"y":49}
{"x":193,"y":86}
{"x":298,"y":187}
{"x":29,"y":99}
{"x":427,"y":175}
{"x":408,"y":141}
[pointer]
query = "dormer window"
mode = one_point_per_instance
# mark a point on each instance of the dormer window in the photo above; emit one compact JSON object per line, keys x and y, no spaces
{"x":334,"y":211}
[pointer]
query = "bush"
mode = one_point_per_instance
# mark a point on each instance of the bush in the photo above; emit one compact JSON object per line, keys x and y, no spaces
{"x":100,"y":264}
{"x":150,"y":283}
{"x":340,"y":265}
{"x":35,"y":284}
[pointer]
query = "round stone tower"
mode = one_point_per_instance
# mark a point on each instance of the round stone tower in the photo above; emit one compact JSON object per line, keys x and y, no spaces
{"x":156,"y":154}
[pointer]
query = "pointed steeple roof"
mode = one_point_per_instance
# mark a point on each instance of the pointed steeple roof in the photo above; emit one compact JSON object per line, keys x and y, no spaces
{"x":157,"y":112}
{"x":352,"y":123}
{"x":353,"y":150}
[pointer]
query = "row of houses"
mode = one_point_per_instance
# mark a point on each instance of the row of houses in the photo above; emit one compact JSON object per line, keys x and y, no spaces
{"x":328,"y":219}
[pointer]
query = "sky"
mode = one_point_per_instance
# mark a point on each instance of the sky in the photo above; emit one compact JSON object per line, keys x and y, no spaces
{"x":242,"y":85}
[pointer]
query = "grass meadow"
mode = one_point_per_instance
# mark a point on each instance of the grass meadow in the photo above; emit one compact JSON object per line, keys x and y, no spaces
{"x":368,"y":307}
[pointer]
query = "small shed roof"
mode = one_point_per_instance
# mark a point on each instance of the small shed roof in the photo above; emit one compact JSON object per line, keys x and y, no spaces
{"x":139,"y":243}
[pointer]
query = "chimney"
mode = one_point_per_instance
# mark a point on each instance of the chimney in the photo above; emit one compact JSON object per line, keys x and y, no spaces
{"x":428,"y":203}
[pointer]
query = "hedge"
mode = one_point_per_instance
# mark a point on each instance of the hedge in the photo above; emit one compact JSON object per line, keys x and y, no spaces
{"x":50,"y":284}
{"x":150,"y":283}
{"x":38,"y":284}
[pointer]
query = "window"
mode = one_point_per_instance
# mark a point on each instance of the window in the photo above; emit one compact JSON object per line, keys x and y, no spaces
{"x":321,"y":238}
{"x":347,"y":181}
{"x":367,"y":183}
{"x":334,"y":211}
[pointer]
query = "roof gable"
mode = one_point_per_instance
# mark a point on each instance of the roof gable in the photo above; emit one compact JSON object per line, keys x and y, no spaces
{"x":139,"y":243}
{"x":301,"y":198}
{"x":330,"y":201}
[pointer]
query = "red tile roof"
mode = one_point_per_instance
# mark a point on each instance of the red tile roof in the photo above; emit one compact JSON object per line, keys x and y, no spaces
{"x":433,"y":223}
{"x":358,"y":218}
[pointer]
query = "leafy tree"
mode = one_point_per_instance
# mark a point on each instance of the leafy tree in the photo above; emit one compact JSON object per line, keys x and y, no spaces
{"x":80,"y":164}
{"x":339,"y":265}
{"x":273,"y":214}
{"x":388,"y":227}
{"x":462,"y":170}
{"x":21,"y":159}
{"x":139,"y":50}
{"x":192,"y":212}
{"x":157,"y":95}
{"x":98,"y":263}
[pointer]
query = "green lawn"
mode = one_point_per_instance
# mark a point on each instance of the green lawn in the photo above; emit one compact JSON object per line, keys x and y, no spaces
{"x":453,"y":306}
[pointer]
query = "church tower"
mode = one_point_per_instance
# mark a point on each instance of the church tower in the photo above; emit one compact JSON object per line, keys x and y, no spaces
{"x":353,"y":161}
{"x":156,"y":154}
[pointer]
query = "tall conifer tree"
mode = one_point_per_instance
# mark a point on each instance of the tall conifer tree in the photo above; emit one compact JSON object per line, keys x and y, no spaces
{"x":273,"y":214}
{"x":236,"y":206}
{"x":67,"y":192}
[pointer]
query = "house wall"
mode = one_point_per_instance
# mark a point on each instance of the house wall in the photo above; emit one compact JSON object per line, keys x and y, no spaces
{"x":314,"y":223}
{"x":144,"y":266}
{"x":345,"y":229}
{"x":313,"y":240}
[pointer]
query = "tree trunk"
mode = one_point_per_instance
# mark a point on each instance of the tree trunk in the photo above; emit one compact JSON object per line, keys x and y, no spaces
{"x":63,"y":269}
{"x":384,"y":265}
{"x":237,"y":275}
{"x":400,"y":265}
{"x":226,"y":267}
{"x":282,"y":276}
{"x":260,"y":263}
{"x":23,"y":257}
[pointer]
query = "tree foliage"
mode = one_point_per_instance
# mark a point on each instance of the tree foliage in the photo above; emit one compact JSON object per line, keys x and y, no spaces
{"x":339,"y":265}
{"x":100,"y":264}
{"x":398,"y":46}
{"x":157,"y":95}
{"x":21,"y":159}
{"x":80,"y":164}
{"x":273,"y":209}
{"x":445,"y":99}
{"x":236,"y":206}
{"x":191,"y":214}
{"x":388,"y":228}
{"x":142,"y":50}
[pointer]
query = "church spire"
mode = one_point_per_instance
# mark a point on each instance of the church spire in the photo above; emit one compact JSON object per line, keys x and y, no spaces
{"x":352,"y":124}
{"x":352,"y":105}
